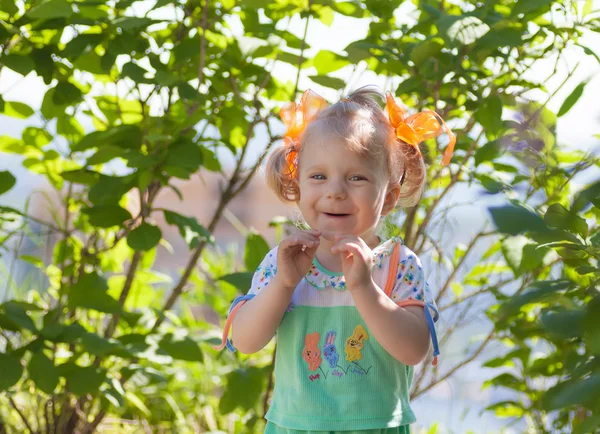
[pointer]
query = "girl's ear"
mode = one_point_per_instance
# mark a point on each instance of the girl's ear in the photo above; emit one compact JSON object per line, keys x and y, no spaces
{"x":391,"y":198}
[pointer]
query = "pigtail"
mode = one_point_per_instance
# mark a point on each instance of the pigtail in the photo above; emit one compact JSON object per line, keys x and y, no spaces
{"x":412,"y":174}
{"x":280,"y":175}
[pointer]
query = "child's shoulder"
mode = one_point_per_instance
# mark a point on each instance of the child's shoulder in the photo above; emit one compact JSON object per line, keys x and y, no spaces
{"x":386,"y":249}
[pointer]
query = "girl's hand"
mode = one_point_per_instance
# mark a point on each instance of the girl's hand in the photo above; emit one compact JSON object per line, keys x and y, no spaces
{"x":357,"y":261}
{"x":295,"y":256}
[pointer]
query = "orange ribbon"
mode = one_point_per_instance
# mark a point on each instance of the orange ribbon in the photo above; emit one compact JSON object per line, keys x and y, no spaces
{"x":296,"y":117}
{"x":418,"y":127}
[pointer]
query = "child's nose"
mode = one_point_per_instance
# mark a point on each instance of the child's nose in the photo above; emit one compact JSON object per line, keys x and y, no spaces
{"x":336,"y":191}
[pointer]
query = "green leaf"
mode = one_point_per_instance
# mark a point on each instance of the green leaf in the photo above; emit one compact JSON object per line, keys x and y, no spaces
{"x":489,"y":115}
{"x":571,"y":99}
{"x":510,"y":36}
{"x":538,"y":292}
{"x":563,"y":323}
{"x":137,"y":403}
{"x":351,"y":9}
{"x":13,"y":315}
{"x":90,"y":292}
{"x":51,"y":9}
{"x":527,"y":6}
{"x":181,"y":349}
{"x":244,"y":389}
{"x":43,"y":372}
{"x":326,"y":15}
{"x":426,"y":50}
{"x":331,"y":82}
{"x":522,"y":255}
{"x":589,"y":52}
{"x":97,"y":345}
{"x":255,"y":251}
{"x":104,"y":155}
{"x":591,"y":325}
{"x":20,"y":64}
{"x":9,"y":7}
{"x":595,"y":239}
{"x":189,"y":228}
{"x":110,"y":189}
{"x":241,"y":281}
{"x":66,"y":93}
{"x":573,"y":392}
{"x":80,"y":44}
{"x":7,"y":181}
{"x":184,"y":155}
{"x":327,"y":61}
{"x":84,"y":380}
{"x":210,"y":160}
{"x":36,"y":137}
{"x":590,"y":194}
{"x":19,"y":110}
{"x":514,"y":220}
{"x":144,"y":237}
{"x":82,"y":176}
{"x":557,"y":216}
{"x":10,"y":366}
{"x":488,"y":152}
{"x":135,"y":72}
{"x":134,"y":24}
{"x":106,"y":216}
{"x":462,"y":30}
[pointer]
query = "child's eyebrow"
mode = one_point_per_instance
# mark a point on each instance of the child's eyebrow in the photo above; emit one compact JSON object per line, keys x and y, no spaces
{"x":362,"y":168}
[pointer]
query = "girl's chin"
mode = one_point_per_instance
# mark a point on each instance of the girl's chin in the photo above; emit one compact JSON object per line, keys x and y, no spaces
{"x":330,"y":235}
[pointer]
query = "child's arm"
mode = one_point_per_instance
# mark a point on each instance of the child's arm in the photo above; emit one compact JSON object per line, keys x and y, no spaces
{"x":398,"y":321}
{"x":256,"y":322}
{"x":401,"y":331}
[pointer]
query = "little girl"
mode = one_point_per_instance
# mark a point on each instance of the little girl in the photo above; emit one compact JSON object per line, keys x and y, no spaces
{"x":353,"y":313}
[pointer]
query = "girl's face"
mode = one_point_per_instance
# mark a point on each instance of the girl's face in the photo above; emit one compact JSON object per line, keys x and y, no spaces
{"x":342,"y":192}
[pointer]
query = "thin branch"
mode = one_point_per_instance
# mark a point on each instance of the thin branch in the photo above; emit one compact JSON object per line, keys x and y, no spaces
{"x":473,"y":294}
{"x":302,"y":53}
{"x":455,"y":368}
{"x":135,"y":260}
{"x":453,"y":181}
{"x":21,"y":415}
{"x":226,"y":197}
{"x":458,"y":265}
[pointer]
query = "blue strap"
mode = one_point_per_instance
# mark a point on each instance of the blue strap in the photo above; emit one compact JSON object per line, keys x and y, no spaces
{"x":239,"y":299}
{"x":434,"y":340}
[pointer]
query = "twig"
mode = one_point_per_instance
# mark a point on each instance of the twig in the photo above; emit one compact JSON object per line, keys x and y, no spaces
{"x":21,"y":415}
{"x":460,"y":262}
{"x":455,"y":368}
{"x":302,"y":52}
{"x":135,"y":260}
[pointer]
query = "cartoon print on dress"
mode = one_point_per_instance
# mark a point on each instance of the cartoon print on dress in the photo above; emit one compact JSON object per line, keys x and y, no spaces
{"x":312,"y":355}
{"x":331,"y":355}
{"x":354,"y":344}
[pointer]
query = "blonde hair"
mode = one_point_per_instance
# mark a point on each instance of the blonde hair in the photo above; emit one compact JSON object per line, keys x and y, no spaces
{"x":359,"y":120}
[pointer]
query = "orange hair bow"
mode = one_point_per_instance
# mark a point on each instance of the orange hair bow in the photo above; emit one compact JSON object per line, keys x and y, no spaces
{"x":296,"y":117}
{"x":418,"y":127}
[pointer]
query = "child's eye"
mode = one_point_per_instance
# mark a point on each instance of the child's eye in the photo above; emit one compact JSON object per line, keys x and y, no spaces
{"x":318,"y":176}
{"x":358,"y":178}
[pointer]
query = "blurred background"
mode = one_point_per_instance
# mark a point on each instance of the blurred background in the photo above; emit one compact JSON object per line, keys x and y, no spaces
{"x":133,"y":207}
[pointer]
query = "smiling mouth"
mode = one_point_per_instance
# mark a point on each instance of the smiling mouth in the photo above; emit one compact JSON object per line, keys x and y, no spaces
{"x":335,"y":215}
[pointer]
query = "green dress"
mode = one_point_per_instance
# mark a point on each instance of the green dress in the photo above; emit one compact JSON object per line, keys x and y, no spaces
{"x":330,"y":373}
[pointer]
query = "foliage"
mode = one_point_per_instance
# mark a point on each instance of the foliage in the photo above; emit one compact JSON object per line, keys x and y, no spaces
{"x":168,"y":87}
{"x":553,"y":324}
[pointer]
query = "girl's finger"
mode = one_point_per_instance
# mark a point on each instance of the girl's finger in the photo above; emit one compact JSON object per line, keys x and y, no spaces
{"x":341,"y":242}
{"x":353,"y":249}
